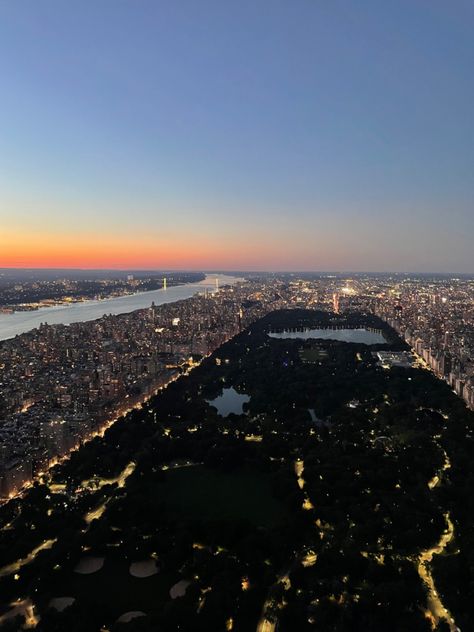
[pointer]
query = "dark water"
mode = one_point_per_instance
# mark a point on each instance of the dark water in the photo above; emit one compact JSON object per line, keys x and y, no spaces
{"x":229,"y":402}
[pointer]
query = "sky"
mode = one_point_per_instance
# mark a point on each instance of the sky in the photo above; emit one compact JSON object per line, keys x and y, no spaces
{"x":258,"y":134}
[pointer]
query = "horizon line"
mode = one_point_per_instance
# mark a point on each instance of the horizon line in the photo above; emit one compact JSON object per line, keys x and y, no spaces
{"x":237,"y":270}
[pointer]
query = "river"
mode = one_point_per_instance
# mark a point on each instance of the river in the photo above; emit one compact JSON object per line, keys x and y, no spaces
{"x":21,"y":322}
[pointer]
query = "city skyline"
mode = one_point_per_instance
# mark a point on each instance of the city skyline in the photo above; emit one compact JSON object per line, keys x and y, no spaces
{"x":300,"y":136}
{"x":236,"y":316}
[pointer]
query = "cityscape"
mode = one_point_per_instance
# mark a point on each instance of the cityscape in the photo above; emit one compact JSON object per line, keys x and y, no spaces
{"x":70,"y":391}
{"x":236,"y":316}
{"x":63,"y":383}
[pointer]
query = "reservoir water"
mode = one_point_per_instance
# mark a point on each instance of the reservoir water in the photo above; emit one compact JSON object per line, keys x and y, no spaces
{"x":361,"y":336}
{"x":21,"y":322}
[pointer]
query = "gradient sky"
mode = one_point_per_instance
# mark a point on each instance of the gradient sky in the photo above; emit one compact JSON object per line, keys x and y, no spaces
{"x":258,"y":134}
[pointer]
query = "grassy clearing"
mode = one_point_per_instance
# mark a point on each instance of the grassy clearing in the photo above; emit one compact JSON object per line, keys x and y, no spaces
{"x":206,"y":494}
{"x":117,"y":590}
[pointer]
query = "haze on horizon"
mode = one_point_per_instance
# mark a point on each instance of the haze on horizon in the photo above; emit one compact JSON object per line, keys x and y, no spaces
{"x":269,"y":135}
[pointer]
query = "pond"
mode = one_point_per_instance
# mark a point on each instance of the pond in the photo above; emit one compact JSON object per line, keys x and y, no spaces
{"x":229,"y":402}
{"x":360,"y":335}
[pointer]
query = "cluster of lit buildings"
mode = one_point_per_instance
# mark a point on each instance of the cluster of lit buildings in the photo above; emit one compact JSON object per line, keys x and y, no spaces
{"x":435,"y":315}
{"x":61,"y":384}
{"x":437,"y":321}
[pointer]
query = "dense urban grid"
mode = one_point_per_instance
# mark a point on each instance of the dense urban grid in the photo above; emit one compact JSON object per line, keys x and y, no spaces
{"x":59,"y":385}
{"x":306,"y":469}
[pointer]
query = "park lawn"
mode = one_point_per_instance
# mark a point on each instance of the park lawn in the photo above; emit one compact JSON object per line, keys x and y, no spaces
{"x":201,"y":493}
{"x":114,"y":587}
{"x":313,"y":355}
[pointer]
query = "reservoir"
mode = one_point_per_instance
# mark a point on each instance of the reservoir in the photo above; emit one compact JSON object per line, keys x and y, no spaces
{"x":361,"y":335}
{"x":21,"y":322}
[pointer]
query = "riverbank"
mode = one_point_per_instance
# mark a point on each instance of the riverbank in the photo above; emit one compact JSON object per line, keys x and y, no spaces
{"x":16,"y":323}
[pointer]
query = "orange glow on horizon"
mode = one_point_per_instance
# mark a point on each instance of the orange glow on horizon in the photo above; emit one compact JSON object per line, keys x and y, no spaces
{"x":142,"y":251}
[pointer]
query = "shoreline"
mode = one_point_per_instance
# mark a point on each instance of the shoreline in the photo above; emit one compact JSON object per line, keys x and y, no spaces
{"x":71,"y":301}
{"x":21,"y":322}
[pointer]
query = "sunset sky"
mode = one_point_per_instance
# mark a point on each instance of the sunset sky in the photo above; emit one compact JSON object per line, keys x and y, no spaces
{"x":258,"y":134}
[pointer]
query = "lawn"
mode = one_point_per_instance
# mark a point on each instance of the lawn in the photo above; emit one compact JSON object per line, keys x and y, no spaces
{"x":313,"y":355}
{"x":114,"y":587}
{"x":202,"y":493}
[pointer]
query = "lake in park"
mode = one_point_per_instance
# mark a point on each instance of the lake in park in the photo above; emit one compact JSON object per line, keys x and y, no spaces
{"x":361,"y":335}
{"x":229,"y":402}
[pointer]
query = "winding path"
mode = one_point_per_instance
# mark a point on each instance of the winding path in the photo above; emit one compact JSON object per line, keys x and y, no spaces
{"x":436,"y":609}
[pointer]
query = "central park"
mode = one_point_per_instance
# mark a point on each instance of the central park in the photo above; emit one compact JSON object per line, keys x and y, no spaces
{"x":330,"y":493}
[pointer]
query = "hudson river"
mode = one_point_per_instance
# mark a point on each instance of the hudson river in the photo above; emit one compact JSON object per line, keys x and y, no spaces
{"x":20,"y":322}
